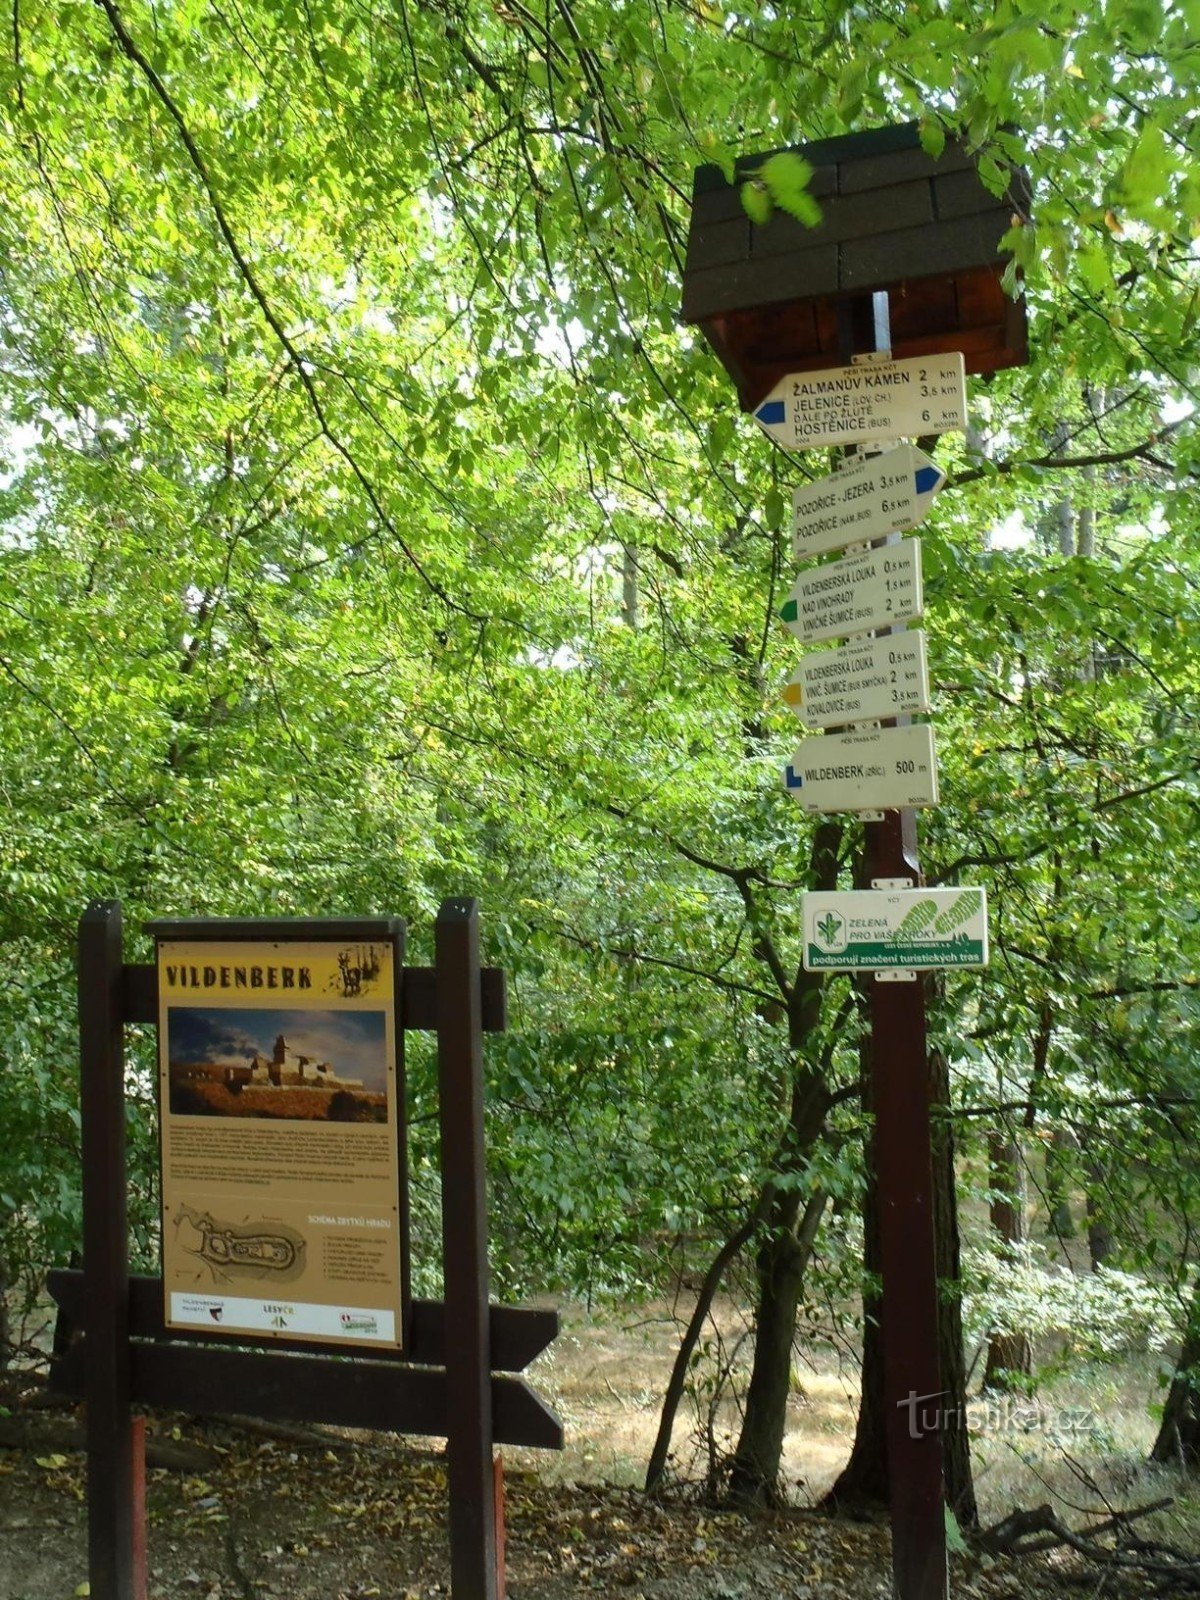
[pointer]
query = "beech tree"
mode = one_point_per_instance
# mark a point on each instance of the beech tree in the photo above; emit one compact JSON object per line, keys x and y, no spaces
{"x":370,"y":530}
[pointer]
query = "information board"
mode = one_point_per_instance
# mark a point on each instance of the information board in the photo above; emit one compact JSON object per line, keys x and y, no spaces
{"x":874,"y":929}
{"x":281,"y":1108}
{"x":911,"y":398}
{"x":866,"y":499}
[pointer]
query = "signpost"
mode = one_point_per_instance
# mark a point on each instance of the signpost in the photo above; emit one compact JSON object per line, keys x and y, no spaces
{"x":865,"y":499}
{"x":874,"y":929}
{"x":861,"y":682}
{"x":873,"y":590}
{"x":771,"y":305}
{"x":871,"y":770}
{"x":870,"y":400}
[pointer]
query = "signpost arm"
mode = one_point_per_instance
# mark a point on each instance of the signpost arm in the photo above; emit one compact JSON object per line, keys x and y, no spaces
{"x":474,"y":1564}
{"x":900,"y":1084}
{"x":113,"y":1477}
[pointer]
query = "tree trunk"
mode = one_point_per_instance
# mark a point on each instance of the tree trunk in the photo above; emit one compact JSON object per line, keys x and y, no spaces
{"x":1086,"y":526}
{"x":5,"y":1346}
{"x":1063,"y":514}
{"x":862,"y":1483}
{"x":956,"y":1439}
{"x":1055,"y":528}
{"x":629,"y":588}
{"x":1085,"y":535}
{"x":1178,"y":1441}
{"x":785,"y":1251}
{"x":782,"y":1260}
{"x":1010,"y":1355}
{"x":1066,"y":528}
{"x":1058,"y":1183}
{"x":656,"y":1467}
{"x":1101,"y":1241}
{"x":979,"y":444}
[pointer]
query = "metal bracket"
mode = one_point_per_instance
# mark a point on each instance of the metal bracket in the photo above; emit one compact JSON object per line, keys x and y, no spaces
{"x":896,"y":975}
{"x":871,"y":358}
{"x":869,"y":816}
{"x":866,"y":448}
{"x":892,"y":883}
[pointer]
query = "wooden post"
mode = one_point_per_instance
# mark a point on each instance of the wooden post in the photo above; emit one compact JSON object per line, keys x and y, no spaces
{"x":900,"y":1081}
{"x":473,"y":1541}
{"x":140,"y":1566}
{"x":112,"y":1470}
{"x":912,"y":1387}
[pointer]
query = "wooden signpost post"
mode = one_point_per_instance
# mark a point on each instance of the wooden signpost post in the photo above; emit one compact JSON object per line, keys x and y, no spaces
{"x":449,"y":1372}
{"x":856,"y":333}
{"x":900,"y":1090}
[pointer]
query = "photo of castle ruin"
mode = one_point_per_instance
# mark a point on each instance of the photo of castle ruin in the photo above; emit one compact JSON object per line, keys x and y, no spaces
{"x":307,"y":1066}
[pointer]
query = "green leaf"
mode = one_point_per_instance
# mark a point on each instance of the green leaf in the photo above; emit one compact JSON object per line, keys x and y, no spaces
{"x":933,"y":137}
{"x":756,"y":201}
{"x":993,"y":175}
{"x":955,"y":1543}
{"x":1147,"y":173}
{"x":1094,"y":269}
{"x":787,"y":177}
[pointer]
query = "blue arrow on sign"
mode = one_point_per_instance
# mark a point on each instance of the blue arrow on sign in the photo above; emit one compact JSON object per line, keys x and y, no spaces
{"x":774,"y":411}
{"x":867,"y":498}
{"x":793,"y":778}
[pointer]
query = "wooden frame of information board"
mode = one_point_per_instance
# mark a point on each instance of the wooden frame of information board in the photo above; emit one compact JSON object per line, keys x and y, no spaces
{"x":454,"y":1378}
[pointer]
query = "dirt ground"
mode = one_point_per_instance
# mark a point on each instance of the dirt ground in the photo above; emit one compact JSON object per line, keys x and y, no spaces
{"x":353,"y":1517}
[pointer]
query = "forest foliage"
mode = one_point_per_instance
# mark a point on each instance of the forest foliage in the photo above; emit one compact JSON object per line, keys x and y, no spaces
{"x":370,"y":531}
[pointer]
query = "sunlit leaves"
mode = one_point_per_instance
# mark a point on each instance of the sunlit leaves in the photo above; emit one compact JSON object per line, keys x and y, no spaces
{"x":342,"y":620}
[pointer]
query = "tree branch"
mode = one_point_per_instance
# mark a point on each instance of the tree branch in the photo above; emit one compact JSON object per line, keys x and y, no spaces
{"x":628,"y":954}
{"x":1102,"y":458}
{"x":163,"y":95}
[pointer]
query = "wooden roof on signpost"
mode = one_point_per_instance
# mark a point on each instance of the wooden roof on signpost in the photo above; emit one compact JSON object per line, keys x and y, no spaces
{"x":767,"y":295}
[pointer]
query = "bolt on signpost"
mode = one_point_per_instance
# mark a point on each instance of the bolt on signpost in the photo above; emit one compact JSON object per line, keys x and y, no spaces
{"x":859,"y":334}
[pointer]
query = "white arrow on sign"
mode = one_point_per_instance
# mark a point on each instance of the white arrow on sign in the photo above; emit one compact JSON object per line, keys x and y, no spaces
{"x":883,"y":769}
{"x":866,"y":499}
{"x":878,"y":589}
{"x":861,"y":682}
{"x":872,"y":400}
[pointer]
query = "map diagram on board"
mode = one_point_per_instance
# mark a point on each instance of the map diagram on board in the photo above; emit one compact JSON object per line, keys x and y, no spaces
{"x":235,"y":1251}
